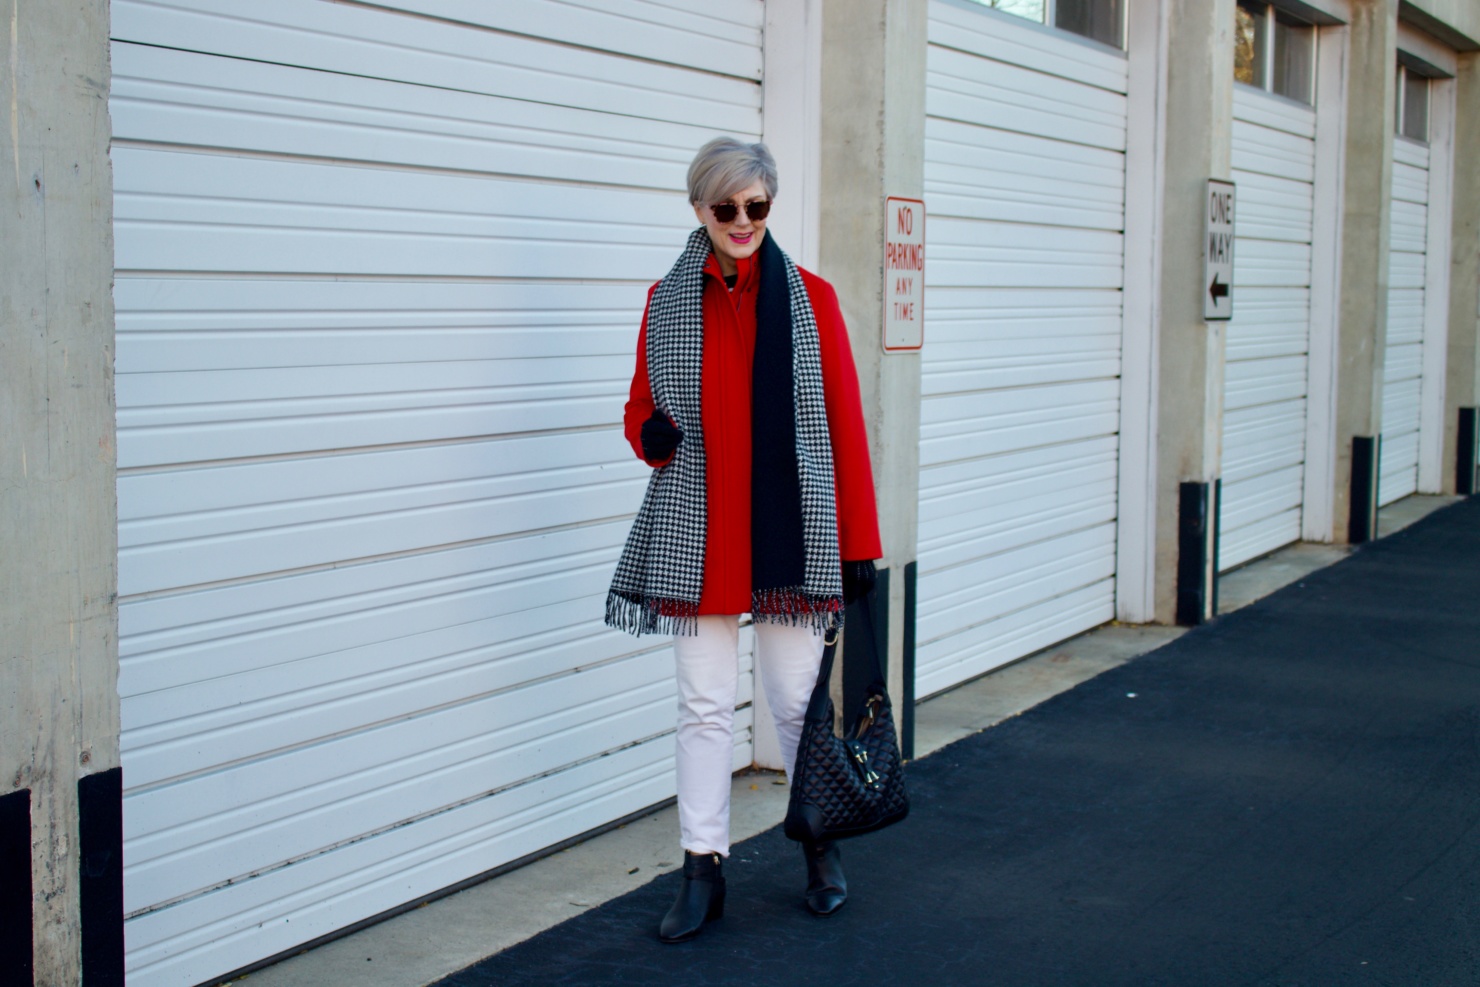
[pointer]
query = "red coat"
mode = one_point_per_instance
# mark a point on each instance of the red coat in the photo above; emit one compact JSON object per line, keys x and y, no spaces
{"x":729,"y":345}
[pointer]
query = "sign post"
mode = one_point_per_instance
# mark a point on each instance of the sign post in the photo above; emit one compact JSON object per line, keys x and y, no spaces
{"x":904,"y":274}
{"x":1218,"y":256}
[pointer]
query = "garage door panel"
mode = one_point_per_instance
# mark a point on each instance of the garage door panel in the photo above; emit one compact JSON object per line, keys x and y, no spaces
{"x":222,"y":499}
{"x":289,"y":391}
{"x":992,"y":537}
{"x":272,"y":217}
{"x":986,"y":92}
{"x":366,"y":613}
{"x":993,"y":317}
{"x":1276,"y":154}
{"x":417,"y":671}
{"x":163,"y":564}
{"x":1399,"y":466}
{"x":1404,"y":362}
{"x":1273,"y":208}
{"x":958,"y":199}
{"x":1270,"y":263}
{"x":947,"y":478}
{"x":1409,"y":227}
{"x":382,"y":44}
{"x":1400,"y":404}
{"x":1261,"y":497}
{"x":1018,"y":432}
{"x":1262,"y":440}
{"x":1259,"y":537}
{"x":190,"y":942}
{"x":984,"y":255}
{"x":1405,"y":270}
{"x":983,"y":647}
{"x":203,"y":323}
{"x":1010,"y":428}
{"x":443,"y":758}
{"x":983,"y":589}
{"x":1261,"y":109}
{"x":311,"y":611}
{"x":985,"y":157}
{"x":176,"y":97}
{"x":723,"y":38}
{"x":172,"y":445}
{"x":1263,"y":382}
{"x":962,"y":513}
{"x":1026,"y":371}
{"x":1272,"y":322}
{"x":1014,"y":42}
{"x":1405,"y":316}
{"x":1410,"y":170}
{"x":981,"y":345}
{"x":982,"y":173}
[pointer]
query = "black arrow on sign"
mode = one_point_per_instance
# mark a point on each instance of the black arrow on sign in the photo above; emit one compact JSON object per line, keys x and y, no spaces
{"x":1217,"y":290}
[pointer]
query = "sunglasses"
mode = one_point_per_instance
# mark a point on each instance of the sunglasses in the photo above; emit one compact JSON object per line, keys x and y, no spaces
{"x":727,"y":212}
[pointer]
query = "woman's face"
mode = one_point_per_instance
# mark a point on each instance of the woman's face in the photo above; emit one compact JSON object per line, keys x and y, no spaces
{"x":739,"y":238}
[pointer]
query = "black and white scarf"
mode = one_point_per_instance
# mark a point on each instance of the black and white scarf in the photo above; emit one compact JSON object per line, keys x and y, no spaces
{"x":795,"y":575}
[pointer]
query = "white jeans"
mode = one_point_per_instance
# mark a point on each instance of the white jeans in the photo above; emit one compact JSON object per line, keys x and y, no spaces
{"x":708,"y":678}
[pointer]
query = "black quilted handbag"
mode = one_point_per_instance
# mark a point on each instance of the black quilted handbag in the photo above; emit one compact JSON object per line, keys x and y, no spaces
{"x":850,"y":785}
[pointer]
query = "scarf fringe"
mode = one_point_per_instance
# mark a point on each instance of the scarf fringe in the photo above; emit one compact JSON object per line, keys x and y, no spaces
{"x":651,"y":615}
{"x":795,"y":606}
{"x":656,"y":615}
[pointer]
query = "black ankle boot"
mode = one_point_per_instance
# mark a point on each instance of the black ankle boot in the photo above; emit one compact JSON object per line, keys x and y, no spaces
{"x":701,"y":897}
{"x":827,"y":888}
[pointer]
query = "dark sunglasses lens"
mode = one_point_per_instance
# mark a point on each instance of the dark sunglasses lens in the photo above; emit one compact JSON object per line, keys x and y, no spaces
{"x":758,"y":211}
{"x":725,"y":212}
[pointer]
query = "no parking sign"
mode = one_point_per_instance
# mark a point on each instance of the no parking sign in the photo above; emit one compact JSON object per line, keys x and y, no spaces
{"x":904,"y":274}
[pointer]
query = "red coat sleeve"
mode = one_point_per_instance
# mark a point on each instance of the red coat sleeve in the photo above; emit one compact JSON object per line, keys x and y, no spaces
{"x":640,"y":404}
{"x":858,"y":516}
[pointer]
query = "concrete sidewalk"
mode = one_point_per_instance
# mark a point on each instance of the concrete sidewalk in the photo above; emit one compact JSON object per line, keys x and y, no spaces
{"x":436,"y":939}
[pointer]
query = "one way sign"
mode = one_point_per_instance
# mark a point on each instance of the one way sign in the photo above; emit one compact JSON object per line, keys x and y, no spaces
{"x":1218,"y":247}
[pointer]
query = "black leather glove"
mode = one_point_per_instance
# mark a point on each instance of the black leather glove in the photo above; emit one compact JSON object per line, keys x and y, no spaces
{"x":659,"y":437}
{"x":858,"y":579}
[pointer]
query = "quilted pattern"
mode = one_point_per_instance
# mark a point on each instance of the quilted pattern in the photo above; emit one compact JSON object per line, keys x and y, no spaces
{"x":847,"y":787}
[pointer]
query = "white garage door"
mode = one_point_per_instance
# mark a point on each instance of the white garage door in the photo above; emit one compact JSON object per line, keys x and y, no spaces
{"x":379,"y":278}
{"x":1268,"y":339}
{"x":1402,"y":384}
{"x":1024,"y":182}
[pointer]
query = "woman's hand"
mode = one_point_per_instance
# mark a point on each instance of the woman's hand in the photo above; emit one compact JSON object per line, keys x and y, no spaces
{"x":858,"y":579}
{"x":659,"y":437}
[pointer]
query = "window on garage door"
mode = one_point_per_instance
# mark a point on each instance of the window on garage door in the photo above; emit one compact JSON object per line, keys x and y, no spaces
{"x":1098,"y":20}
{"x":1274,"y":51}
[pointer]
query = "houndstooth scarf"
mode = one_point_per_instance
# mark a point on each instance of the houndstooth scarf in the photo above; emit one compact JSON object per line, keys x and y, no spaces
{"x":794,"y":531}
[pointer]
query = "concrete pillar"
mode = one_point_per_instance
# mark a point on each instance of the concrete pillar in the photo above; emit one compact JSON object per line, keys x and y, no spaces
{"x":873,"y":146}
{"x":1367,"y":188}
{"x":1462,"y":379}
{"x":1196,"y":89}
{"x":59,"y":780}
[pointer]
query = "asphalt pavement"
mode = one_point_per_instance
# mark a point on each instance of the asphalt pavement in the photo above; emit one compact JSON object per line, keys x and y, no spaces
{"x":1287,"y":796}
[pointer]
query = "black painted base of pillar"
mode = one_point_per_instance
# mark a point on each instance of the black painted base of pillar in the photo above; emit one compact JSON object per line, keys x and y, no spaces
{"x":905,"y":705}
{"x":1467,"y":465}
{"x":100,"y":818}
{"x":1366,"y":474}
{"x":16,"y":946}
{"x":1197,"y":551}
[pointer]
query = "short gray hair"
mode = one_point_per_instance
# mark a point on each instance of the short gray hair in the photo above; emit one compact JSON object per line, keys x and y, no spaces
{"x":725,"y":166}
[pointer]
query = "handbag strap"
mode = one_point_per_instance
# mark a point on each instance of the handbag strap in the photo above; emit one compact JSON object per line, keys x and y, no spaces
{"x":819,"y":707}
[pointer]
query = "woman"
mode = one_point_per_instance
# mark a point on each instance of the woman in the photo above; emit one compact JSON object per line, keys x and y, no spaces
{"x":745,"y":402}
